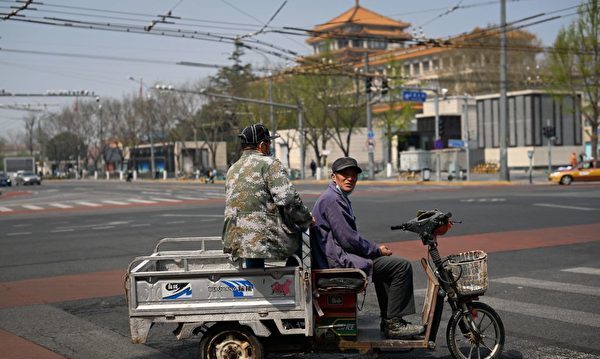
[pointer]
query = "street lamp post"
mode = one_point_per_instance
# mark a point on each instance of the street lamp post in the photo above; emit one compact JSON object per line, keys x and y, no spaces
{"x":148,"y":124}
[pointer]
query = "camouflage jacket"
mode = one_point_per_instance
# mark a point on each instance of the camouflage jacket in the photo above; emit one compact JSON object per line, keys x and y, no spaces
{"x":261,"y":209}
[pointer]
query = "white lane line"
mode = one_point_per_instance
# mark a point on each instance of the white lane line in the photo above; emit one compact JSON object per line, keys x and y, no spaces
{"x":544,"y":311}
{"x":18,"y":233}
{"x":103,"y":227}
{"x":62,"y":230}
{"x":118,"y":203}
{"x":5,"y":209}
{"x":192,"y":198}
{"x":165,"y":199}
{"x":549,"y":285}
{"x":141,"y":225}
{"x":135,"y":200}
{"x":175,"y":222}
{"x":89,"y":204}
{"x":32,"y":207}
{"x":60,"y":205}
{"x":563,"y":206}
{"x":538,"y":310}
{"x":583,"y":270}
{"x":190,"y":215}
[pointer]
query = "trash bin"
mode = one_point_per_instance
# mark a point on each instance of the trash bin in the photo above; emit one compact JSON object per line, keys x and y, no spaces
{"x":426,"y":173}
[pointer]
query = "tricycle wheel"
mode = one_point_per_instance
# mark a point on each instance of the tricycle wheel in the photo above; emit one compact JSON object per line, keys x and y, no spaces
{"x":477,"y":334}
{"x":230,"y":341}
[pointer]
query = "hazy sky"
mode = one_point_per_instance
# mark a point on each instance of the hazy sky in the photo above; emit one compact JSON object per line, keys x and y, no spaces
{"x":102,"y":61}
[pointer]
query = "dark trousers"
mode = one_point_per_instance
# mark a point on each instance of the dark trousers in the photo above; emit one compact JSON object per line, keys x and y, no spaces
{"x":393,"y":279}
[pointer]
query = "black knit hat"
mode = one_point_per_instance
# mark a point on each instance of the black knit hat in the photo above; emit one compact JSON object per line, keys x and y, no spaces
{"x":255,"y":134}
{"x":344,"y":162}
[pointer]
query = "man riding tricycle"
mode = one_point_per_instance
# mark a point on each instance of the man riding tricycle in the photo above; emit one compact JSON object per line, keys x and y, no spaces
{"x":245,"y":312}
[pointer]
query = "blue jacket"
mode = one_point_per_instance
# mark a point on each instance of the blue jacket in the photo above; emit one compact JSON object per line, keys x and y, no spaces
{"x":335,"y":241}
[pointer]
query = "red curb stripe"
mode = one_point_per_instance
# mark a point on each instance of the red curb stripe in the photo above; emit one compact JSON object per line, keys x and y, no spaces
{"x":502,"y":241}
{"x":62,"y":288}
{"x":15,"y":347}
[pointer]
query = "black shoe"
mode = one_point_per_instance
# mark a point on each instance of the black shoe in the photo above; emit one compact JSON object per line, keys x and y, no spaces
{"x":398,"y":328}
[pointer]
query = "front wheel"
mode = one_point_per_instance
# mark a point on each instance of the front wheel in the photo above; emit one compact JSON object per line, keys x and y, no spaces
{"x":566,"y":180}
{"x":481,"y":336}
{"x":230,"y":341}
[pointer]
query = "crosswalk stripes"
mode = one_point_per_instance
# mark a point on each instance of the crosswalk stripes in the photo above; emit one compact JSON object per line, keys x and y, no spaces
{"x":88,"y":204}
{"x":7,"y":208}
{"x":583,"y":270}
{"x":118,"y":203}
{"x":165,"y":199}
{"x":32,"y":207}
{"x":60,"y":205}
{"x":137,"y":200}
{"x":543,"y":311}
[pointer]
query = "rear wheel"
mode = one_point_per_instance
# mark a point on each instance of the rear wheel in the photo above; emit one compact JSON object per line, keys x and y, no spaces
{"x":484,"y":338}
{"x":230,"y":341}
{"x":566,"y":180}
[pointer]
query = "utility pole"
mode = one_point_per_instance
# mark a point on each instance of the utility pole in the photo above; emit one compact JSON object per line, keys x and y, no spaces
{"x":370,"y":135}
{"x":272,"y":117}
{"x":438,"y":176}
{"x":504,"y":174}
{"x":466,"y":136}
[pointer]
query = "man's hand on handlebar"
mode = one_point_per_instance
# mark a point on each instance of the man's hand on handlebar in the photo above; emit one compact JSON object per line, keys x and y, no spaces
{"x":385,"y":251}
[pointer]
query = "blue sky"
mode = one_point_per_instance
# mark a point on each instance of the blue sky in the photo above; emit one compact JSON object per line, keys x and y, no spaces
{"x":153,"y":58}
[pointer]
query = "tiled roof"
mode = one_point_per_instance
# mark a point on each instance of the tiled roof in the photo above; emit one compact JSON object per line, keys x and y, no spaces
{"x":362,"y":16}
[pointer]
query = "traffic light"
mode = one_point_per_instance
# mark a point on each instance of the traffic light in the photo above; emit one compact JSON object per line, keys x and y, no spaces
{"x":368,"y":84}
{"x":548,"y":131}
{"x":441,"y":127}
{"x":384,"y":86}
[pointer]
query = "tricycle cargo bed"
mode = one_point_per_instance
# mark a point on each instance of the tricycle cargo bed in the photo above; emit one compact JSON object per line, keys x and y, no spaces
{"x":198,"y":286}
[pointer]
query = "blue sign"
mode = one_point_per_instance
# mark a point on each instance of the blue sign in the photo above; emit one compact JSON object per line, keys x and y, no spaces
{"x":456,"y":143}
{"x":371,"y":134}
{"x":414,"y":96}
{"x":438,"y":144}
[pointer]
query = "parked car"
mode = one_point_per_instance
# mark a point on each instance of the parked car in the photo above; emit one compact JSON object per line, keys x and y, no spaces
{"x":5,"y":180}
{"x":25,"y":178}
{"x":585,"y":171}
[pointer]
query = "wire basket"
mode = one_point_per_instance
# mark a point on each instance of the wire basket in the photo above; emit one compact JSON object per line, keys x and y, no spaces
{"x":470,"y":272}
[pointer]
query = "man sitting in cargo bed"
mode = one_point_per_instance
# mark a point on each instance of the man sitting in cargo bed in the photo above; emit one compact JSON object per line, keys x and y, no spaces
{"x":262,"y":207}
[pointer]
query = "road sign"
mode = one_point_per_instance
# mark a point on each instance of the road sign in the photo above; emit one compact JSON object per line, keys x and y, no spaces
{"x":456,"y":143}
{"x":371,"y":134}
{"x":414,"y":96}
{"x":438,"y":144}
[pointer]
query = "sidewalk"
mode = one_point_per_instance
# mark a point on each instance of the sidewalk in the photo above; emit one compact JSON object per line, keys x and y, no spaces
{"x":517,"y":177}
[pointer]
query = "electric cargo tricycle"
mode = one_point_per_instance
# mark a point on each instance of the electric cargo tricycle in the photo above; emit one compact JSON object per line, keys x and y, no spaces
{"x":242,"y":313}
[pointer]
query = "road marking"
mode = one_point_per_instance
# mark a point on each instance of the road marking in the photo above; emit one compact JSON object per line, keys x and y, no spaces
{"x":32,"y":207}
{"x":544,"y":311}
{"x":22,"y":225}
{"x":549,"y":285}
{"x":103,"y":227}
{"x":583,"y":270}
{"x":191,"y":215}
{"x":18,"y":233}
{"x":175,"y":222}
{"x":118,"y":203}
{"x":192,"y":198}
{"x":135,"y":200}
{"x":141,"y":225}
{"x":165,"y":199}
{"x":61,"y":230}
{"x":60,"y":205}
{"x":5,"y":209}
{"x":563,"y":206}
{"x":89,"y":204}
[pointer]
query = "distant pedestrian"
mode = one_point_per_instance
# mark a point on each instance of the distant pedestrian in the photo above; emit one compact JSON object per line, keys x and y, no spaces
{"x":313,"y":167}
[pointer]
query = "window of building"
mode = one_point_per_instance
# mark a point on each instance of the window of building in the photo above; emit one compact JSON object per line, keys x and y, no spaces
{"x":416,"y":70}
{"x":406,"y":70}
{"x":342,"y":43}
{"x":357,"y":43}
{"x":377,"y":44}
{"x":436,"y":64}
{"x":425,"y":66}
{"x":323,"y":47}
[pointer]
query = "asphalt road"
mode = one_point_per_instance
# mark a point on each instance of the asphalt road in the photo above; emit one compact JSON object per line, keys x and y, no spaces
{"x":546,"y":293}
